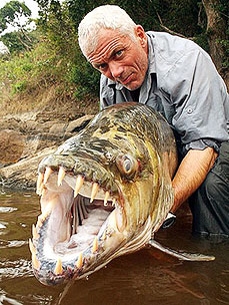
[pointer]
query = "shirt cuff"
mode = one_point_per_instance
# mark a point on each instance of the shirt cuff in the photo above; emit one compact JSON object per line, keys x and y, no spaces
{"x":201,"y":144}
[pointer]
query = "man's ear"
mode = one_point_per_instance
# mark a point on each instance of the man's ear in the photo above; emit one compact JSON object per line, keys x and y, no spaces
{"x":141,"y":35}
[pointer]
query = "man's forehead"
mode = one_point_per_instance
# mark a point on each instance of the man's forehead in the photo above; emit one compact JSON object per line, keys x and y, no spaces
{"x":107,"y":43}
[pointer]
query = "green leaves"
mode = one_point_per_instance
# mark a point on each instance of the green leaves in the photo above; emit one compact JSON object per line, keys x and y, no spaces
{"x":12,"y":13}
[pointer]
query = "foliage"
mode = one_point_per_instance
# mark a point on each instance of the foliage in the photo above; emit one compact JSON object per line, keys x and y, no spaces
{"x":61,"y":32}
{"x":222,"y":7}
{"x":84,"y":77}
{"x":16,"y":41}
{"x":16,"y":15}
{"x":225,"y":44}
{"x":26,"y":72}
{"x":12,"y":13}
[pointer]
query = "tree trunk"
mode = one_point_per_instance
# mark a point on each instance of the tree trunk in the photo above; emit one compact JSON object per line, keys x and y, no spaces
{"x":216,"y":31}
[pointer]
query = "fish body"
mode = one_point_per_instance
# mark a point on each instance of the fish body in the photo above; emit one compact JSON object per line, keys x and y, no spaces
{"x":104,"y":192}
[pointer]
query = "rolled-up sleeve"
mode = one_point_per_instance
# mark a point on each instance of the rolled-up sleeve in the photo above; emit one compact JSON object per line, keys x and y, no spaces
{"x":198,"y":96}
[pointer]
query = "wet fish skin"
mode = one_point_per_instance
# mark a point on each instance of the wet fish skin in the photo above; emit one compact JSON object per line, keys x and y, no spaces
{"x":104,"y":192}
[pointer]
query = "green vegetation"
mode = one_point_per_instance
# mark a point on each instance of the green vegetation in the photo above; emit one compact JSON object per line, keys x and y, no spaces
{"x":53,"y":61}
{"x":49,"y":57}
{"x":30,"y":69}
{"x":16,"y":15}
{"x":28,"y":75}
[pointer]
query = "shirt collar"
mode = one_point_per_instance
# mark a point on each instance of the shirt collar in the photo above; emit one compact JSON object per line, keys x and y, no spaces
{"x":151,"y":56}
{"x":112,"y":83}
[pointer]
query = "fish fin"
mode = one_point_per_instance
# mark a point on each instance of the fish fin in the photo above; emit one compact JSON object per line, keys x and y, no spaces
{"x":181,"y":255}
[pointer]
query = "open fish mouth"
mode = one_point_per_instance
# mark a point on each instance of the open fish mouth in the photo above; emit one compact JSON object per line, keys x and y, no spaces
{"x":81,"y":218}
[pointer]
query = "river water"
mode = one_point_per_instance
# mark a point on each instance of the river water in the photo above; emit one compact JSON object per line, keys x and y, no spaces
{"x":144,"y":278}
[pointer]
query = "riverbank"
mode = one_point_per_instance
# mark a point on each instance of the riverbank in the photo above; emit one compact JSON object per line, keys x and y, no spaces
{"x":28,"y":133}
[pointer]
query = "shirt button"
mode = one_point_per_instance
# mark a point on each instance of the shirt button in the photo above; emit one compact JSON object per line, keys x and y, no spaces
{"x":189,"y":110}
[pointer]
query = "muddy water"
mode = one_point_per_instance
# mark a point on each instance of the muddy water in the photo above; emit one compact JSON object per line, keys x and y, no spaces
{"x":144,"y":278}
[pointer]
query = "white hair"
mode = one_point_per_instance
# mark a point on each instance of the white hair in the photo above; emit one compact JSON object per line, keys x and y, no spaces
{"x":103,"y":17}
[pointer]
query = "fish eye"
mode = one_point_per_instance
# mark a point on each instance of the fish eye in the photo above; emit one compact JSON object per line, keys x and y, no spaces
{"x":127,"y":165}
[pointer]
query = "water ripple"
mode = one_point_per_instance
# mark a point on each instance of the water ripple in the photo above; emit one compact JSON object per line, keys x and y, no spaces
{"x":3,"y":225}
{"x":15,"y":269}
{"x":4,"y":298}
{"x":12,"y":243}
{"x":7,"y":209}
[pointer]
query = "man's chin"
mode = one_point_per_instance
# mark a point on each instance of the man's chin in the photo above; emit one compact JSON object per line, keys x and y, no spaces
{"x":132,"y":87}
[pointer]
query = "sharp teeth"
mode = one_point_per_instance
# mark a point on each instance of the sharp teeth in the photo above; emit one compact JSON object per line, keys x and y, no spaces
{"x":40,"y":220}
{"x":41,"y":217}
{"x":34,"y":232}
{"x":79,"y":263}
{"x":40,"y":183}
{"x":104,"y":235}
{"x":61,"y":175}
{"x":32,"y":247}
{"x":79,"y":183}
{"x":35,"y":261}
{"x":46,"y":210}
{"x":113,"y":202}
{"x":107,"y":194}
{"x":58,"y":269}
{"x":94,"y":191}
{"x":43,"y":190}
{"x":95,"y":245}
{"x":48,"y":172}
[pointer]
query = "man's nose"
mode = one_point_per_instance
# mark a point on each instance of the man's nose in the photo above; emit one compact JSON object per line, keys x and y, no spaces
{"x":115,"y":69}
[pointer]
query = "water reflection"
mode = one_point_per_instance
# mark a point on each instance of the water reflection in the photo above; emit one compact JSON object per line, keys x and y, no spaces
{"x":146,"y":277}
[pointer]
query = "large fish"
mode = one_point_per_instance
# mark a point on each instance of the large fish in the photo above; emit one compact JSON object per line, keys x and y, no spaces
{"x":104,"y":192}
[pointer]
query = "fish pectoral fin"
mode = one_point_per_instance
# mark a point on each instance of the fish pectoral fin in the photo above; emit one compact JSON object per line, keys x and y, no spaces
{"x":181,"y":255}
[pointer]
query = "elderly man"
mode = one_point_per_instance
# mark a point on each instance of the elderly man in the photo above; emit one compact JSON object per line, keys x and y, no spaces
{"x":177,"y":78}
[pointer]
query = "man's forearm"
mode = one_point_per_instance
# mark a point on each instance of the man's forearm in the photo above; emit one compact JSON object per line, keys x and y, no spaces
{"x":191,"y":173}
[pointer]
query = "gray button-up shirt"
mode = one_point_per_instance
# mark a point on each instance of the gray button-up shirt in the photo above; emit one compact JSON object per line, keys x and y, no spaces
{"x":182,"y":83}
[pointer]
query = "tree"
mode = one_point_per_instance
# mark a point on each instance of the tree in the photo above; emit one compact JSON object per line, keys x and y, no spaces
{"x":16,"y":15}
{"x":12,"y":13}
{"x":217,"y":31}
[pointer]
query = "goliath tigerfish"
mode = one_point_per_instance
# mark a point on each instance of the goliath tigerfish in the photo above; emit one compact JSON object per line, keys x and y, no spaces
{"x":104,"y":192}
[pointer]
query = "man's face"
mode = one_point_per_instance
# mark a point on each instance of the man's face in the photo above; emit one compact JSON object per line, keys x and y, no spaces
{"x":120,"y":58}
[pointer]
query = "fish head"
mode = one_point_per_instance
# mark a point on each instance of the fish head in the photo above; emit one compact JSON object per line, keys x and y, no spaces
{"x":103,"y":193}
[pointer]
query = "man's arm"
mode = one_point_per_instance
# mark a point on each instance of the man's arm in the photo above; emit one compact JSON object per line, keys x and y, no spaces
{"x":191,"y":173}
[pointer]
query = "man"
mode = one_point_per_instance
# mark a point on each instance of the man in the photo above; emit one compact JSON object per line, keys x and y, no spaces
{"x":177,"y":78}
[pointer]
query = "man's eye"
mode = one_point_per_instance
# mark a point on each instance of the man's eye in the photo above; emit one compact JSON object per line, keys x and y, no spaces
{"x":102,"y":67}
{"x":119,"y":53}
